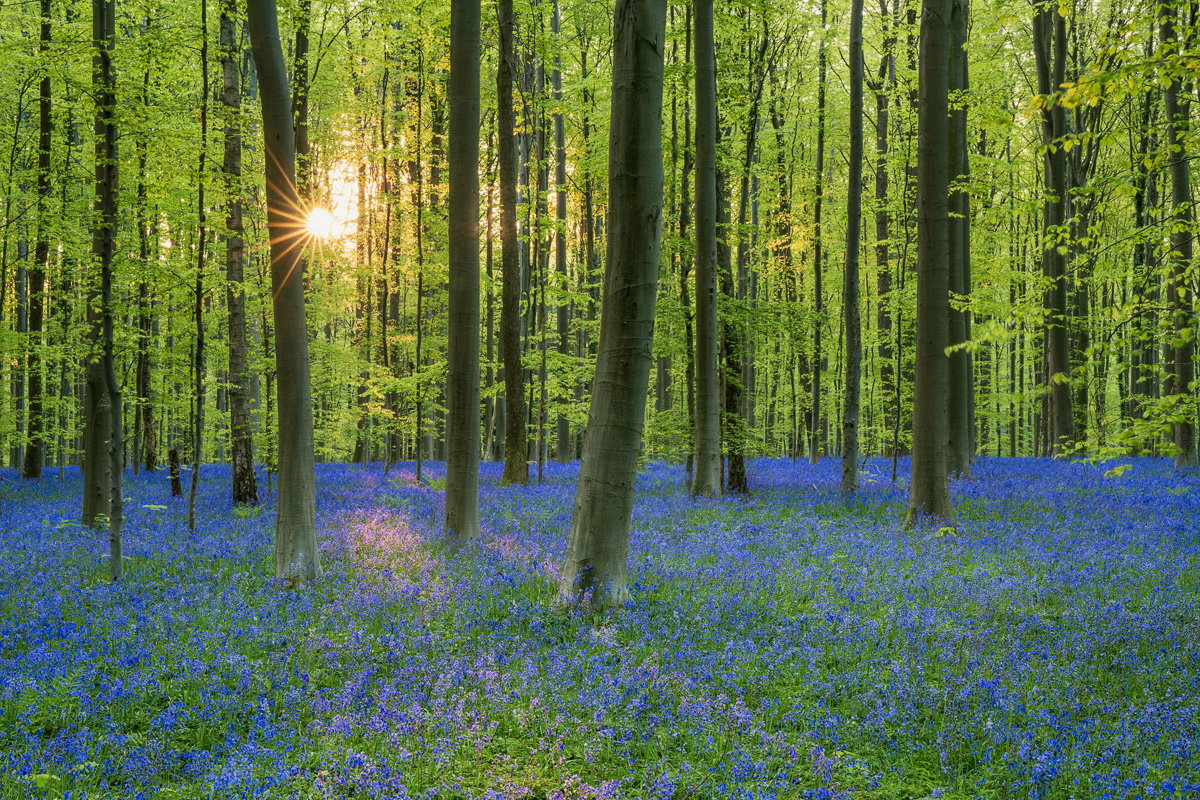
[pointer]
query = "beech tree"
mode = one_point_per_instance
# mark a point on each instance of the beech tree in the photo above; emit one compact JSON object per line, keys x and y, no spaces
{"x":462,"y":383}
{"x":296,"y":555}
{"x":594,"y":569}
{"x":929,"y":491}
{"x":706,"y":477}
{"x":244,"y":481}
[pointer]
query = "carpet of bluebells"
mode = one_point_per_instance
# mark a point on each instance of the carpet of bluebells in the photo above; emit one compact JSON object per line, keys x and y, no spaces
{"x":792,"y":644}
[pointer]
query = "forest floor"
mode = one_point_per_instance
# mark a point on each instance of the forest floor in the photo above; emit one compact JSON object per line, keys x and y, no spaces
{"x":791,"y":644}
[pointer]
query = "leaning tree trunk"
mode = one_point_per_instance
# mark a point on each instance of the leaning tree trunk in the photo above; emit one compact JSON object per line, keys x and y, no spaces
{"x":244,"y":482}
{"x":296,"y":554}
{"x":594,"y":570}
{"x":706,"y":478}
{"x":1178,"y":107}
{"x":850,"y":274}
{"x":929,"y":490}
{"x":34,"y":449}
{"x":462,"y":380}
{"x":516,"y":465}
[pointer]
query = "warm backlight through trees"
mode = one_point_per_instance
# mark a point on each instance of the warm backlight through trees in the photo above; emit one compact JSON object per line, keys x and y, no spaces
{"x":322,"y":225}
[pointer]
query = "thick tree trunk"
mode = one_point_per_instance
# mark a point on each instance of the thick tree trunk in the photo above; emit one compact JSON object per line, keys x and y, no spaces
{"x":296,"y":554}
{"x":462,"y":380}
{"x":706,"y":479}
{"x":1178,"y":109}
{"x":244,"y":482}
{"x":929,"y":491}
{"x":850,"y":270}
{"x":594,"y":569}
{"x":516,"y":467}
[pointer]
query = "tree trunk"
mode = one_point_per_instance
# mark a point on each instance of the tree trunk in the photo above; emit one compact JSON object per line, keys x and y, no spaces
{"x":1050,"y":51}
{"x":34,"y":449}
{"x":818,"y":362}
{"x":929,"y":491}
{"x":563,"y":434}
{"x":1178,"y":109}
{"x":594,"y":569}
{"x":850,"y":271}
{"x":706,"y":479}
{"x":296,"y":554}
{"x":958,"y":414}
{"x":104,"y":83}
{"x":462,"y":381}
{"x":516,"y":466}
{"x":202,"y":216}
{"x":244,"y":482}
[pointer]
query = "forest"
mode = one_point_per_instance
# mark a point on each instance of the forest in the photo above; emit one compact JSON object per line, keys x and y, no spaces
{"x":462,"y":399}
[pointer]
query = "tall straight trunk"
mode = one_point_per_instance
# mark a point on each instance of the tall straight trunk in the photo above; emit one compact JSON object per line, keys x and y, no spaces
{"x":958,"y":413}
{"x":296,"y":555}
{"x":97,"y":463}
{"x":818,"y":361}
{"x":198,"y":433}
{"x":104,"y":84}
{"x":685,"y":262}
{"x":594,"y":569}
{"x":560,"y":234}
{"x":144,"y":426}
{"x":462,"y":380}
{"x":706,"y":479}
{"x":34,"y":449}
{"x":1050,"y":51}
{"x":516,"y":467}
{"x":883,"y":275}
{"x":850,"y":271}
{"x":1178,"y":109}
{"x":244,"y":482}
{"x":929,"y":490}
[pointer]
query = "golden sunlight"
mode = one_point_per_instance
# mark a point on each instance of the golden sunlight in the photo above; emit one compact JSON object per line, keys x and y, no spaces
{"x":322,"y":225}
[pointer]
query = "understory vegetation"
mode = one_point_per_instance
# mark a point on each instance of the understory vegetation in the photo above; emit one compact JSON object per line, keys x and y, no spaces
{"x":791,"y":644}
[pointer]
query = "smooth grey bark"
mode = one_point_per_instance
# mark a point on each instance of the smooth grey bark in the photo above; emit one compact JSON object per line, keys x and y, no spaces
{"x":850,"y":270}
{"x":296,"y":554}
{"x":929,"y":490}
{"x":104,"y":84}
{"x":462,"y":380}
{"x":882,"y":88}
{"x":516,"y":466}
{"x":563,"y":433}
{"x":244,"y":484}
{"x":1178,"y":110}
{"x":97,"y":459}
{"x":34,"y":448}
{"x":818,"y":362}
{"x":202,"y":220}
{"x":960,"y":395}
{"x":706,"y":476}
{"x":594,"y":570}
{"x":1050,"y":55}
